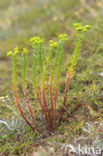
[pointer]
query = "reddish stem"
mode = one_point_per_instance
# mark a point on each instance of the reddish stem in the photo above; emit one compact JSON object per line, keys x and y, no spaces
{"x":65,"y":98}
{"x":38,"y":98}
{"x":20,"y":110}
{"x":43,"y":108}
{"x":52,"y":106}
{"x":55,"y":102}
{"x":30,"y":109}
{"x":46,"y":108}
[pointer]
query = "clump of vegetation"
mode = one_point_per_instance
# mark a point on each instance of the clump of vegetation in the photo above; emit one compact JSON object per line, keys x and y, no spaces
{"x":46,"y":77}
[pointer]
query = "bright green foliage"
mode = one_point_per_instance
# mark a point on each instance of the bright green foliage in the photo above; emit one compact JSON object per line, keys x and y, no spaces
{"x":62,"y":37}
{"x":59,"y":57}
{"x":15,"y":69}
{"x":38,"y":59}
{"x":34,"y":69}
{"x":42,"y":59}
{"x":34,"y":41}
{"x":24,"y":72}
{"x":53,"y":46}
{"x":78,"y":45}
{"x":14,"y":54}
{"x":59,"y":60}
{"x":37,"y":43}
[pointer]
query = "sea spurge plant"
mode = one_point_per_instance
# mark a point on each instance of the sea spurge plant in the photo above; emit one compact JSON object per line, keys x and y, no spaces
{"x":14,"y":54}
{"x":46,"y":77}
{"x":78,"y":45}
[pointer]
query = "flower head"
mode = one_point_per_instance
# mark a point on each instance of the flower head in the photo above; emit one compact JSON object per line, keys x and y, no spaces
{"x":24,"y":51}
{"x":9,"y":53}
{"x":77,"y":25}
{"x":88,"y":27}
{"x":63,"y":37}
{"x":36,"y":41}
{"x":53,"y":44}
{"x":81,"y":28}
{"x":16,"y":50}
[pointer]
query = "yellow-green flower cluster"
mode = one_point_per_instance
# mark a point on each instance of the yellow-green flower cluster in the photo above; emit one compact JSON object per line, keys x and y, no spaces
{"x":16,"y":51}
{"x":77,"y":25}
{"x":63,"y":37}
{"x":36,"y":41}
{"x":81,"y":28}
{"x":9,"y":53}
{"x":24,"y":51}
{"x":53,"y":44}
{"x":88,"y":27}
